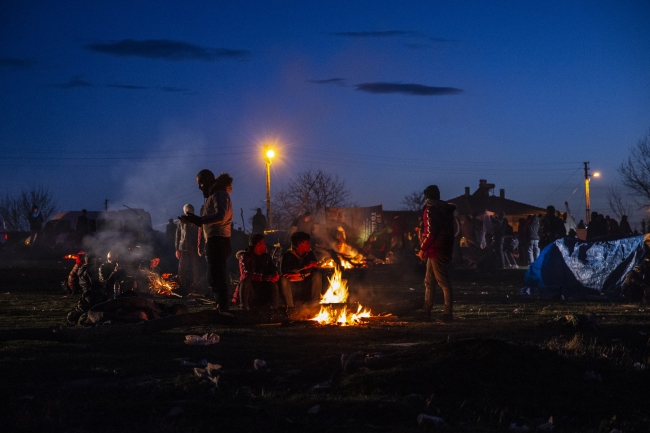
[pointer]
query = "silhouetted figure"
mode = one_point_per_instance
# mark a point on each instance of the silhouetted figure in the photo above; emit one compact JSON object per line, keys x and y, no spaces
{"x":624,"y":226}
{"x":259,"y":222}
{"x":437,"y":248}
{"x":82,"y":225}
{"x":551,"y":227}
{"x":398,"y":228}
{"x":35,"y":225}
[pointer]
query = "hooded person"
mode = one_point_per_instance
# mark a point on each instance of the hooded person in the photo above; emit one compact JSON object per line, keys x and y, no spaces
{"x":436,"y":246}
{"x":216,"y":223}
{"x":187,"y":253}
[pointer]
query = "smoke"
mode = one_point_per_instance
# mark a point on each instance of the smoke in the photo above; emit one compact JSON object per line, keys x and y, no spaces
{"x":164,"y":181}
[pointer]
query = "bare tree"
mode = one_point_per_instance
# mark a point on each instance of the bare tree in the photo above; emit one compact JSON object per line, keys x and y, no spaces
{"x":15,"y":209}
{"x":308,"y":192}
{"x":636,"y":170}
{"x":617,"y":204}
{"x":414,"y":201}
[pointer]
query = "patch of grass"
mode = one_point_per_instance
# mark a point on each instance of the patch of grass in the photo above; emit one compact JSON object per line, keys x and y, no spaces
{"x":504,"y":360}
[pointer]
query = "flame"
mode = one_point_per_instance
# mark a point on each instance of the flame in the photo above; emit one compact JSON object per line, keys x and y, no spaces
{"x":329,"y":315}
{"x":161,"y":285}
{"x":331,"y":264}
{"x":71,"y":256}
{"x":346,"y":264}
{"x":337,"y":293}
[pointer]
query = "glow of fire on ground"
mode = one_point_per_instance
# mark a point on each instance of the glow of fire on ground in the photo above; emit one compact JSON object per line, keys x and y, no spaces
{"x":337,"y":293}
{"x":161,"y":285}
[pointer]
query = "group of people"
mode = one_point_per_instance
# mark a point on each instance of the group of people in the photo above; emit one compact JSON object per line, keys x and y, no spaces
{"x":260,"y":282}
{"x":299,"y":279}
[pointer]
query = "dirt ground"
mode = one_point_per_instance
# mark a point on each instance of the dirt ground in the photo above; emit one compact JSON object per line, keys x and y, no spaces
{"x":505,"y":364}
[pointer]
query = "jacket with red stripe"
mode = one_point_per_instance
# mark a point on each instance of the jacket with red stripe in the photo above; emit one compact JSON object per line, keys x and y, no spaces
{"x":438,"y":232}
{"x":255,"y":267}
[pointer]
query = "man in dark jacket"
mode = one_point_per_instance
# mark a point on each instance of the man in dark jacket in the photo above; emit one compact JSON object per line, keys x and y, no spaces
{"x":258,"y":276}
{"x":82,"y":225}
{"x":111,"y":275}
{"x":624,"y":227}
{"x":533,"y":239}
{"x":301,"y":278}
{"x":186,"y":243}
{"x":551,"y":227}
{"x":259,"y":222}
{"x":436,"y":246}
{"x":35,"y":224}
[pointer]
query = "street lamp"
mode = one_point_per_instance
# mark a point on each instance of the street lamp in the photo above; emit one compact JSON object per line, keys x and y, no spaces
{"x":587,"y":199}
{"x":268,"y":154}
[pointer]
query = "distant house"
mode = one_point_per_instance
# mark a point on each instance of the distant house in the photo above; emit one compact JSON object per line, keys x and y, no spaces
{"x":481,"y":200}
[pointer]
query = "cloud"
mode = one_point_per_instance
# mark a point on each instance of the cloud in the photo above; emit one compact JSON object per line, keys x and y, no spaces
{"x":15,"y":63}
{"x":167,"y":50}
{"x":407,"y":89}
{"x":74,"y":82}
{"x":379,"y":34}
{"x":337,"y":81}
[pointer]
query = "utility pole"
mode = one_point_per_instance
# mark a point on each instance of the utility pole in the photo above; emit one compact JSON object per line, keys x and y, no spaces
{"x":106,"y":205}
{"x":588,"y":202}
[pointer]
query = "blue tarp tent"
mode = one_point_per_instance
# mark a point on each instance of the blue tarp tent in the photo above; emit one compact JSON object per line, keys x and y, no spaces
{"x":573,"y":268}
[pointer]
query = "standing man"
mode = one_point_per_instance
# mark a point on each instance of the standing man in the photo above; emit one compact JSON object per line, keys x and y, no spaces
{"x":259,"y":222}
{"x":437,"y":245}
{"x":35,"y":225}
{"x":216,"y":223}
{"x":82,"y":226}
{"x":187,"y":252}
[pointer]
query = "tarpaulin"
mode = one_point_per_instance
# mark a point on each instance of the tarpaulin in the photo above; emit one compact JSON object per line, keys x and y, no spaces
{"x":574,"y":268}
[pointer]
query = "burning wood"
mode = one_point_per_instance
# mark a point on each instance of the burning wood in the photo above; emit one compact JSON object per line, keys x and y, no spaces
{"x":334,"y":310}
{"x":329,"y":263}
{"x":162,"y":285}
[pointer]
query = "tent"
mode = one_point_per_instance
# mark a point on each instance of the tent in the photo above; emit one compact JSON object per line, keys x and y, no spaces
{"x":573,"y":268}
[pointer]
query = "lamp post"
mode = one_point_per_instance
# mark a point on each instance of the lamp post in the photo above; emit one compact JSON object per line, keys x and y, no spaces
{"x":268,"y":154}
{"x":587,"y":198}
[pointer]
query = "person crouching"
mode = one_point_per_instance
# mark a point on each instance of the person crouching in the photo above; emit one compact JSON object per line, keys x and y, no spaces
{"x":258,"y":276}
{"x":301,"y":278}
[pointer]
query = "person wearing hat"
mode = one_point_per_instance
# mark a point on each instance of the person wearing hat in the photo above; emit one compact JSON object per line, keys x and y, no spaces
{"x":258,"y":276}
{"x":436,"y":246}
{"x":187,"y":252}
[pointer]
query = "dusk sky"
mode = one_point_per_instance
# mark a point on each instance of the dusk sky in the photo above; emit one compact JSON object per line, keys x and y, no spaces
{"x":128,"y":100}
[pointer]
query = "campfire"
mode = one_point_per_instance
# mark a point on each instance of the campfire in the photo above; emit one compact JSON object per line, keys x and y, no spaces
{"x":162,"y":285}
{"x":334,"y":308}
{"x":329,"y":263}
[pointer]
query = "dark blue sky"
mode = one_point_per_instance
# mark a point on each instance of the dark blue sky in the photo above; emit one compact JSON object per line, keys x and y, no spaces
{"x":128,"y":100}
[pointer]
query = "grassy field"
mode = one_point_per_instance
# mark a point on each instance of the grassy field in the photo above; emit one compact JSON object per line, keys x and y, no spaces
{"x":505,"y":364}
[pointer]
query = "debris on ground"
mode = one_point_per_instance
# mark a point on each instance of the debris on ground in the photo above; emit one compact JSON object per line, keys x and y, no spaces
{"x":259,"y":364}
{"x":424,"y":419}
{"x":202,"y":340}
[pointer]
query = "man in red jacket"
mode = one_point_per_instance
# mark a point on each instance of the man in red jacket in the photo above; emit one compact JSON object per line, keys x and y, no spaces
{"x":437,"y":244}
